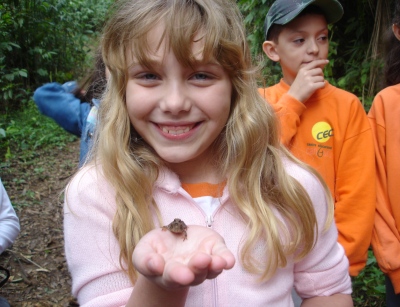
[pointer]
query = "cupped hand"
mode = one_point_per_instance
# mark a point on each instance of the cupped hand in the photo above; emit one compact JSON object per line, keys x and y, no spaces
{"x":173,"y":263}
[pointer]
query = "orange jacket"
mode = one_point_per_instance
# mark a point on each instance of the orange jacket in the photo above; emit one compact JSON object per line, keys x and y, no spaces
{"x":384,"y":117}
{"x":331,"y":133}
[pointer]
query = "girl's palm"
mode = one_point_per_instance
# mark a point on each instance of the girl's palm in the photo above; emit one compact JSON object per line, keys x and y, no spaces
{"x":174,"y":263}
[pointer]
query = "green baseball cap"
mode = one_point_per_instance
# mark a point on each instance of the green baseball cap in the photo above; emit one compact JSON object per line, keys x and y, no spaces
{"x":284,"y":11}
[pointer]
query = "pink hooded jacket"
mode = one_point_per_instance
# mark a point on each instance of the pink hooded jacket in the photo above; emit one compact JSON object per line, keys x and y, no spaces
{"x":92,"y":250}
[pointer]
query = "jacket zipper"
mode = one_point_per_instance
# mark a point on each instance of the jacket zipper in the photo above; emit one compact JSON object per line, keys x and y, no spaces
{"x":209,"y":220}
{"x":209,"y":224}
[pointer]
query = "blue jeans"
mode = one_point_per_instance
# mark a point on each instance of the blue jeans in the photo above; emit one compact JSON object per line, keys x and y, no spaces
{"x":392,"y":299}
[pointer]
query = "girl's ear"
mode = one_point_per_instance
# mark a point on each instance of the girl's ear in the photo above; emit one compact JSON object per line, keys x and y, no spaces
{"x":269,"y":48}
{"x":396,"y":31}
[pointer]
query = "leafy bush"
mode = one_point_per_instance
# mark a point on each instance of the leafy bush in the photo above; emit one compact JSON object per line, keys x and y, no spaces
{"x":25,"y":130}
{"x":369,"y":287}
{"x":42,"y":41}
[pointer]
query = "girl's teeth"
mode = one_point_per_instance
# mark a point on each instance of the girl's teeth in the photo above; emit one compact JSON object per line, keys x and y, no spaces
{"x":175,"y":131}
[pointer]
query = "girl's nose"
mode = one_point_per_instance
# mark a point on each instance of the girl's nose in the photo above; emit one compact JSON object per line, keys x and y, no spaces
{"x":175,"y":99}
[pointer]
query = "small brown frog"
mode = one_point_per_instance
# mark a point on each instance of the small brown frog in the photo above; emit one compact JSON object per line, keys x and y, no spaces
{"x":177,"y":226}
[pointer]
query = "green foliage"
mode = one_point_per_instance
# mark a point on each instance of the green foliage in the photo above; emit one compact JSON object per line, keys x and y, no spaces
{"x":42,"y":41}
{"x":254,"y":12}
{"x":26,"y":130}
{"x":369,"y":286}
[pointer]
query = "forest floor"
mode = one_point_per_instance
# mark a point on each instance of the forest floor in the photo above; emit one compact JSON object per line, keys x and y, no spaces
{"x":39,"y":274}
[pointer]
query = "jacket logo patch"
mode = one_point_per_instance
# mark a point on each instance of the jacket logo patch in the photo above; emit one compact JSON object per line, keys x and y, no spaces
{"x":322,"y":132}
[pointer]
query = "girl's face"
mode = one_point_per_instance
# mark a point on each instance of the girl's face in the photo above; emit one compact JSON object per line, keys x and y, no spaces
{"x":179,"y":111}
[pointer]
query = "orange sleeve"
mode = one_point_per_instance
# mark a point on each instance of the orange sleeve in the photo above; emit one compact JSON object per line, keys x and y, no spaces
{"x":288,"y":110}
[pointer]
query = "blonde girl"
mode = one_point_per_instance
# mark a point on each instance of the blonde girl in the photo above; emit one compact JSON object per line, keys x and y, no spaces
{"x":183,"y":134}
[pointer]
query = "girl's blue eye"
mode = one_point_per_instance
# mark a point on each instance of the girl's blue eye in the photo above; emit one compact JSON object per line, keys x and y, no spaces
{"x":149,"y":76}
{"x":201,"y":76}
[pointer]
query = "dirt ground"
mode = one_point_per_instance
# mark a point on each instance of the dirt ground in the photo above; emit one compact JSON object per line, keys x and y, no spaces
{"x":39,"y":275}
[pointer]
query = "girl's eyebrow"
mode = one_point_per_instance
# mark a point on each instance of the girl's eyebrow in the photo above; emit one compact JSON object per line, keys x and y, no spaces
{"x":154,"y":64}
{"x":149,"y":63}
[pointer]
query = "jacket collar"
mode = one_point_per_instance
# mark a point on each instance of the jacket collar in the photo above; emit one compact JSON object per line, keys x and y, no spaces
{"x":169,"y":182}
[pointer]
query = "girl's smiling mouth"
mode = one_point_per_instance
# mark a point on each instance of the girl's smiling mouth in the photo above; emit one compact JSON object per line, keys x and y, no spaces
{"x":176,"y":130}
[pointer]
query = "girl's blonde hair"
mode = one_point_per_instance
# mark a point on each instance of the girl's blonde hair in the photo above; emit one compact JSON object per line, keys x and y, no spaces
{"x":247,"y":151}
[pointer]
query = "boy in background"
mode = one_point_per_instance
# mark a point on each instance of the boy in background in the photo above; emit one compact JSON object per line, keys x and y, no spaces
{"x":322,"y":125}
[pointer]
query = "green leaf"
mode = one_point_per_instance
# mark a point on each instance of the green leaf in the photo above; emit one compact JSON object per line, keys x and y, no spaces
{"x":23,"y":73}
{"x":9,"y":77}
{"x":42,"y":72}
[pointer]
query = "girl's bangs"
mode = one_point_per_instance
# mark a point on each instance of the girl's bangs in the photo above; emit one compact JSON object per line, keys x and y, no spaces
{"x":183,"y":26}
